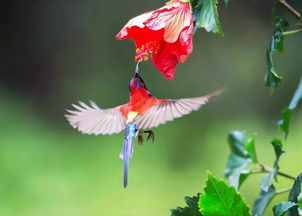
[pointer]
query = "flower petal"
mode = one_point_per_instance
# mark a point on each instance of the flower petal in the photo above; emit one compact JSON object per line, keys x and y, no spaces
{"x":136,"y":21}
{"x":173,"y":18}
{"x":166,"y":63}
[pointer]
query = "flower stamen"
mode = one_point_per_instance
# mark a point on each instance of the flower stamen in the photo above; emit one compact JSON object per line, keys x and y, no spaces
{"x":146,"y":51}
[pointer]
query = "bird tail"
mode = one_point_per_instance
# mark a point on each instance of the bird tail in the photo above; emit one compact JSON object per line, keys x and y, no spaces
{"x":127,"y":150}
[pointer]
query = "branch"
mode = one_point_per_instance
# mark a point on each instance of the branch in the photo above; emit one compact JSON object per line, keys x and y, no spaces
{"x":290,"y":9}
{"x":292,"y":32}
{"x":285,"y":190}
{"x":267,"y":169}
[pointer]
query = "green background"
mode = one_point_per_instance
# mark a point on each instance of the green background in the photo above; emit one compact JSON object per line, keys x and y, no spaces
{"x":58,"y":52}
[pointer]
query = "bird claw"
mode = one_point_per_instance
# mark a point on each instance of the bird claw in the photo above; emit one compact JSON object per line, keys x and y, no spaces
{"x":150,"y":135}
{"x":140,"y":137}
{"x":140,"y":140}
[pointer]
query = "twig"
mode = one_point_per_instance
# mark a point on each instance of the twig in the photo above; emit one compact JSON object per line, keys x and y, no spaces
{"x":285,"y":190}
{"x":292,"y":32}
{"x":269,"y":169}
{"x":290,"y":8}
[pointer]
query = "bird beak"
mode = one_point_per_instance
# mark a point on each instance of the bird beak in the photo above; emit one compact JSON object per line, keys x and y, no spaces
{"x":137,"y":70}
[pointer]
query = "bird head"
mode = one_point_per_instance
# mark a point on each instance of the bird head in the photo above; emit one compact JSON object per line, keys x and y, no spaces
{"x":137,"y":82}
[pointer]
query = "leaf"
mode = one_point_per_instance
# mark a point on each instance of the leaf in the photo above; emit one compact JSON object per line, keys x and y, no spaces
{"x":272,"y":79}
{"x":294,"y":194}
{"x":267,"y":180}
{"x":281,"y":208}
{"x":263,"y":200}
{"x":221,"y":199}
{"x":240,"y":161}
{"x":277,"y":144}
{"x":190,"y":210}
{"x":283,"y":123}
{"x":300,"y":204}
{"x":205,"y":15}
{"x":250,"y":147}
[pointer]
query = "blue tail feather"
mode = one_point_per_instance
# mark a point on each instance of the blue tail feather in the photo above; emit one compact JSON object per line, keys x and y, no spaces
{"x":127,"y":150}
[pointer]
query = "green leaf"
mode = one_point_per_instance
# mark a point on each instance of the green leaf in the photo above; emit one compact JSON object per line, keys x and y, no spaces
{"x":226,"y":2}
{"x":263,"y":200}
{"x":250,"y":147}
{"x":283,"y":123}
{"x":300,"y":204}
{"x":236,"y":141}
{"x":241,"y":159}
{"x":205,"y":15}
{"x":190,"y":210}
{"x":272,"y":79}
{"x":294,"y":194}
{"x":277,"y":144}
{"x":267,"y":180}
{"x":281,"y":208}
{"x":221,"y":199}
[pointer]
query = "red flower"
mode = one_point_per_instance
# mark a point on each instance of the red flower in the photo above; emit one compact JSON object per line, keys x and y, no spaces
{"x":164,"y":34}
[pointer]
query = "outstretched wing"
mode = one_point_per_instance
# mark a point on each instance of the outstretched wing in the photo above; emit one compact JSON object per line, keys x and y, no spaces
{"x":94,"y":120}
{"x":167,"y":110}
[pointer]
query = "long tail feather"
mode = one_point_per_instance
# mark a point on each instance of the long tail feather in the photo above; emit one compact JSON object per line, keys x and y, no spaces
{"x":126,"y":166}
{"x":127,"y":150}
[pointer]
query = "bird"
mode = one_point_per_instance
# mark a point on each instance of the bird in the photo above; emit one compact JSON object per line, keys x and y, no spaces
{"x":142,"y":113}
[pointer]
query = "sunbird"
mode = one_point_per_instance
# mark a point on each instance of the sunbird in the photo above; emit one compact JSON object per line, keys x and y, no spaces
{"x":142,"y":112}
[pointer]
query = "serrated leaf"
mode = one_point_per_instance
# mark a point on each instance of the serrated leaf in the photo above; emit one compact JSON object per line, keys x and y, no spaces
{"x":250,"y":147}
{"x":240,"y":162}
{"x":272,"y":79}
{"x":281,"y":208}
{"x":284,"y":122}
{"x":263,"y":200}
{"x":190,"y":210}
{"x":221,"y":199}
{"x":294,"y":194}
{"x":205,"y":15}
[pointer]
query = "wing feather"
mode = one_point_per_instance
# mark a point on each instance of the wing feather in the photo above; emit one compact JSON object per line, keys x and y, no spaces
{"x":168,"y":110}
{"x":94,"y":120}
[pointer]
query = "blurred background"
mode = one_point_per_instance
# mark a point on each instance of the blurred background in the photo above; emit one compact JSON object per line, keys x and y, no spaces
{"x":54,"y":53}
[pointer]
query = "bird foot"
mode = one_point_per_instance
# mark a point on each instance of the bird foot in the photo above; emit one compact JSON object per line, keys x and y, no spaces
{"x":150,"y":135}
{"x":140,"y":137}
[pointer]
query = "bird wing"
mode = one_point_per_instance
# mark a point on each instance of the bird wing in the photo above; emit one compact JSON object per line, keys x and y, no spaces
{"x":94,"y":120}
{"x":167,"y":110}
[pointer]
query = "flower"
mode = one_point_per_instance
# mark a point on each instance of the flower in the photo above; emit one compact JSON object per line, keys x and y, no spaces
{"x":165,"y":35}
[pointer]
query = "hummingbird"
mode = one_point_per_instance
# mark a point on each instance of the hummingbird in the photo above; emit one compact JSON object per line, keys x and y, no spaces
{"x":138,"y":116}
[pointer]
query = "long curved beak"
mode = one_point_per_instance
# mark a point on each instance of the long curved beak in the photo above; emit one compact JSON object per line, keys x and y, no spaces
{"x":137,"y":69}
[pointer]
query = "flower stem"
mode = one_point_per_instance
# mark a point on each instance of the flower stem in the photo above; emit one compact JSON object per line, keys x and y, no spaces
{"x":266,"y":169}
{"x":290,"y":8}
{"x":292,"y":32}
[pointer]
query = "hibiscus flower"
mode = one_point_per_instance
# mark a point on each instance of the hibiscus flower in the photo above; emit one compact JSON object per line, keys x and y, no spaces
{"x":165,"y":35}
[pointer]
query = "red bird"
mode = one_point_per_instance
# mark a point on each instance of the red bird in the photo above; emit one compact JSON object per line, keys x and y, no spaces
{"x":143,"y":111}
